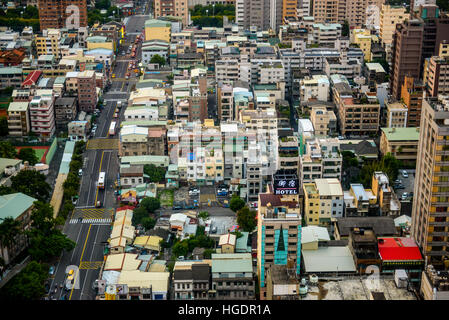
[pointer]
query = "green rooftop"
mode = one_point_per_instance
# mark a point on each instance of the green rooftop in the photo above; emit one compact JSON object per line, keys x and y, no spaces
{"x":15,"y":204}
{"x":155,"y":23}
{"x":401,"y":134}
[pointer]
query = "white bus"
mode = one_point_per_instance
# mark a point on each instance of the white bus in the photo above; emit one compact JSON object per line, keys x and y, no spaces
{"x":101,"y":178}
{"x":112,"y":128}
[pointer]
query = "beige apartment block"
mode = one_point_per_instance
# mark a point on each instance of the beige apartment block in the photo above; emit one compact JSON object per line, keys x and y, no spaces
{"x":430,"y":215}
{"x":389,"y":17}
{"x":397,"y":115}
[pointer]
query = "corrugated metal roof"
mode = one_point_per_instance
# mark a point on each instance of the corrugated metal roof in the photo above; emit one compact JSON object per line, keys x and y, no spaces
{"x":13,"y":205}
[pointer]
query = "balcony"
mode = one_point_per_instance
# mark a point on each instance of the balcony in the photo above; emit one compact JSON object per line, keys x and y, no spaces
{"x":439,"y":224}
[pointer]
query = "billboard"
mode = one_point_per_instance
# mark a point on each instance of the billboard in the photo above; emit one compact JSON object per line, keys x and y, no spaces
{"x":286,"y":185}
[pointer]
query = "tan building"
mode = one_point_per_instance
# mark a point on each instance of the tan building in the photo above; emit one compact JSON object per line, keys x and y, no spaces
{"x":356,"y":115}
{"x":389,"y":17}
{"x":57,"y":14}
{"x":157,"y":29}
{"x":412,"y":96}
{"x":18,"y":206}
{"x":329,"y":11}
{"x":323,"y":120}
{"x":18,"y":119}
{"x":48,"y":42}
{"x":358,"y":11}
{"x":430,"y":216}
{"x":227,"y":243}
{"x":388,"y":202}
{"x":436,"y":76}
{"x":396,"y":115}
{"x":87,"y":91}
{"x":402,"y":143}
{"x":323,"y":201}
{"x":174,"y":8}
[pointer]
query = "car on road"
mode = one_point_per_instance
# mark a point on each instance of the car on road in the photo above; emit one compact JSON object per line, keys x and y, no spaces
{"x":98,"y":204}
{"x":404,"y":196}
{"x":113,"y":75}
{"x":80,"y":172}
{"x":194,"y":192}
{"x":177,"y":207}
{"x":404,"y":174}
{"x":51,"y":271}
{"x":71,"y":274}
{"x":398,"y":181}
{"x":399,"y":186}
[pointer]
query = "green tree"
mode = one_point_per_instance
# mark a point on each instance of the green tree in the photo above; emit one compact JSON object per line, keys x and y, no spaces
{"x":246,"y":219}
{"x":4,"y":126}
{"x":156,"y":174}
{"x":27,"y":285}
{"x":45,"y":240}
{"x":150,"y":204}
{"x":236,"y":203}
{"x":204,"y":215}
{"x":139,"y":214}
{"x":9,"y":230}
{"x":7,"y":150}
{"x":102,"y":4}
{"x":5,"y":190}
{"x":148,"y":223}
{"x":28,"y":154}
{"x":31,"y":183}
{"x":180,"y":248}
{"x":158,"y":59}
{"x":388,"y":164}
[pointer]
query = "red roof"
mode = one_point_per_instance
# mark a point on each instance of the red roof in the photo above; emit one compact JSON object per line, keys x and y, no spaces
{"x":32,"y":78}
{"x":398,"y":249}
{"x":125,"y":208}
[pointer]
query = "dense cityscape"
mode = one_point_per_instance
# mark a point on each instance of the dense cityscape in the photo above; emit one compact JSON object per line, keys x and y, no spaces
{"x":224,"y":150}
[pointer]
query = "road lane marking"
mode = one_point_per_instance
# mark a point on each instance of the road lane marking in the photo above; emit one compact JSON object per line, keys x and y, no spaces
{"x":101,"y":162}
{"x":81,"y":259}
{"x":91,"y":264}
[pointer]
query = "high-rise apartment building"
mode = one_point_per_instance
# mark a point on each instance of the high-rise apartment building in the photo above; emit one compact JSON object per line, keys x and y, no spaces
{"x":430,"y":213}
{"x":406,"y":55}
{"x":357,"y":12}
{"x":390,"y":16}
{"x":62,"y":14}
{"x":279,"y":232}
{"x":253,"y":13}
{"x":175,"y":8}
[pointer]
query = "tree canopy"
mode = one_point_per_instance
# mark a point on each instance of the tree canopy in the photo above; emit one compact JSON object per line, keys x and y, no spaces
{"x":158,"y":59}
{"x":4,"y":126}
{"x":7,"y":150}
{"x":46,"y":241}
{"x":31,"y":183}
{"x":156,"y":174}
{"x":26,"y":285}
{"x":388,"y":164}
{"x":28,"y":154}
{"x":246,"y":219}
{"x":236,"y":203}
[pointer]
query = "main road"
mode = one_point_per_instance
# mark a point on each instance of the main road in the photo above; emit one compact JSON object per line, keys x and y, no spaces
{"x":88,"y":226}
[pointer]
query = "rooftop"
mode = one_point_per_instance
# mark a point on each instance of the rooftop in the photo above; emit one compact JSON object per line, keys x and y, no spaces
{"x":401,"y":134}
{"x":398,"y":249}
{"x":13,"y":205}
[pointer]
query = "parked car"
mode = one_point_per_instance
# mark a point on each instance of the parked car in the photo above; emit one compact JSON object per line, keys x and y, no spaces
{"x":177,"y":208}
{"x":51,"y":271}
{"x":399,"y":186}
{"x":404,"y":174}
{"x":80,"y":172}
{"x":404,"y":196}
{"x":398,"y":181}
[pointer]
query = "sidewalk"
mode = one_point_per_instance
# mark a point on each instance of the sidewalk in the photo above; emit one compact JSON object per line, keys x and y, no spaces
{"x":9,"y":274}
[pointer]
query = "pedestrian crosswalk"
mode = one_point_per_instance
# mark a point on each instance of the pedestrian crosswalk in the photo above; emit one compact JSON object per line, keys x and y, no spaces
{"x":91,"y":221}
{"x":102,"y":144}
{"x":84,"y":265}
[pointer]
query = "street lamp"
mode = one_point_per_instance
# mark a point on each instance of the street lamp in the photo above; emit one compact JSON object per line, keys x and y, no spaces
{"x":213,"y":8}
{"x":207,"y":12}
